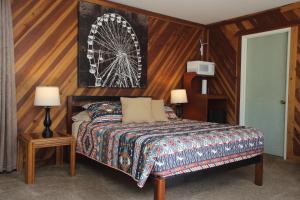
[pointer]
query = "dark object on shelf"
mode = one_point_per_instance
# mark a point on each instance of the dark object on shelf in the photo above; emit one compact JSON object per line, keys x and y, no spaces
{"x":47,"y":133}
{"x":198,"y":105}
{"x":217,"y":115}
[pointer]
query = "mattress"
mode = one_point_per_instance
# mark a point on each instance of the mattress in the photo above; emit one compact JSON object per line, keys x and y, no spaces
{"x":166,"y":148}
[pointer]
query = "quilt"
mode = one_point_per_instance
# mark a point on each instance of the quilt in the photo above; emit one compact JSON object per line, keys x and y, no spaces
{"x":166,"y":148}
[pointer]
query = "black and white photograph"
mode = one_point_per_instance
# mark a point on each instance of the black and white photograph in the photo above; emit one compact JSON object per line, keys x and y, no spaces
{"x":112,"y":47}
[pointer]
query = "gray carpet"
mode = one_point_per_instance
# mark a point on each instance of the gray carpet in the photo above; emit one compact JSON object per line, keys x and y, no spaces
{"x":281,"y":181}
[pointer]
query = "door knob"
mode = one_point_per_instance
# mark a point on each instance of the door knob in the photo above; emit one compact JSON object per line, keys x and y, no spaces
{"x":282,"y":101}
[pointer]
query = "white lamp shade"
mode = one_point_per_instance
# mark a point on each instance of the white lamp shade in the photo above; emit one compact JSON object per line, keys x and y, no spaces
{"x":46,"y":96}
{"x":178,"y":96}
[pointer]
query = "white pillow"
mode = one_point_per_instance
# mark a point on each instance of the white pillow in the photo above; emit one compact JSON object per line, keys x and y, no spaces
{"x":82,"y":116}
{"x":136,"y":110}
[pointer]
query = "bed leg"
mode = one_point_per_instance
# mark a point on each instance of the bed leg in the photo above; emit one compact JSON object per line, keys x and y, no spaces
{"x":159,"y":188}
{"x":259,"y":172}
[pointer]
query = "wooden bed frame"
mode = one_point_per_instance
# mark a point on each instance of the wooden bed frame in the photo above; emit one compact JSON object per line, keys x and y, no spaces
{"x":74,"y":104}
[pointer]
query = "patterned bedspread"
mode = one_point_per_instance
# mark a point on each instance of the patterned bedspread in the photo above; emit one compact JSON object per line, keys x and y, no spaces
{"x":166,"y":148}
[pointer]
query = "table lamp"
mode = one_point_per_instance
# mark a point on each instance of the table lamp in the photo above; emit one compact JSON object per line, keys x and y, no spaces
{"x":178,"y":97}
{"x":47,"y":96}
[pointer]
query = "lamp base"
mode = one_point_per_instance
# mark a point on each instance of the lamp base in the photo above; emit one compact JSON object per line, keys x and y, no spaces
{"x":178,"y":110}
{"x":47,"y":133}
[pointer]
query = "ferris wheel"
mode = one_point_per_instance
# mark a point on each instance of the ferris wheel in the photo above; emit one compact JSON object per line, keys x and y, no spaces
{"x":114,"y":52}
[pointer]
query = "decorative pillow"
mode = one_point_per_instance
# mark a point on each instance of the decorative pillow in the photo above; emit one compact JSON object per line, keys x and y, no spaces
{"x":170,"y":113}
{"x":85,"y":106}
{"x":82,"y":116}
{"x":108,"y":118}
{"x":158,"y":112}
{"x":136,"y":110}
{"x":104,"y":108}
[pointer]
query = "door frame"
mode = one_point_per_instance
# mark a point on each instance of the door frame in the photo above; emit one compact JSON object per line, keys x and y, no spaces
{"x":243,"y":77}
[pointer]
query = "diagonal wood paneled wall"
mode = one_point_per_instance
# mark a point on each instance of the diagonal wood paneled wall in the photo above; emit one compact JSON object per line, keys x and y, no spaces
{"x":45,"y":36}
{"x":224,"y":50}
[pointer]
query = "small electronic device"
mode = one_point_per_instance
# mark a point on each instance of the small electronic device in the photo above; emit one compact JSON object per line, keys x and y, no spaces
{"x":201,"y":67}
{"x":204,"y":86}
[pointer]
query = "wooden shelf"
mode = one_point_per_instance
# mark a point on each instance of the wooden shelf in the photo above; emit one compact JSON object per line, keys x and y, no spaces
{"x":194,"y":74}
{"x":221,"y":97}
{"x":198,"y":105}
{"x":212,"y":96}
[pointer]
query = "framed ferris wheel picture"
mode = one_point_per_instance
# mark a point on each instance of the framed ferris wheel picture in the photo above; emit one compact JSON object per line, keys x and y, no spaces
{"x":112,"y":50}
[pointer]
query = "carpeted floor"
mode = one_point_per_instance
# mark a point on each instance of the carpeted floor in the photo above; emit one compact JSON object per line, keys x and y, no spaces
{"x":281,"y":182}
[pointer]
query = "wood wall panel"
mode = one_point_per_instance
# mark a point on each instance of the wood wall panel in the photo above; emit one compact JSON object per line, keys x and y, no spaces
{"x":45,"y":36}
{"x":224,"y":50}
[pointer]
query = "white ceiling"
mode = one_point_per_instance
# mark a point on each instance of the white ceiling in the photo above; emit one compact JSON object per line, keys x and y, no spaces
{"x":205,"y":11}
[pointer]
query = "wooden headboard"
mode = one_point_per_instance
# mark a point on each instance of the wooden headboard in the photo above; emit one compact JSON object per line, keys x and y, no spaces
{"x":75,"y":103}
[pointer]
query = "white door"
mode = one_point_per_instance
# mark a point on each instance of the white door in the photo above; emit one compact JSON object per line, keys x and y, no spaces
{"x":264,"y":86}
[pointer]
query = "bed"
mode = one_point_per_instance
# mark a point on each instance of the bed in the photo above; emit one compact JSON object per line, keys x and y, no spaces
{"x":163,"y":149}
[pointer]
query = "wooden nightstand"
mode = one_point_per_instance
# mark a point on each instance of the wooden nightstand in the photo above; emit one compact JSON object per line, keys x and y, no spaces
{"x":29,"y":142}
